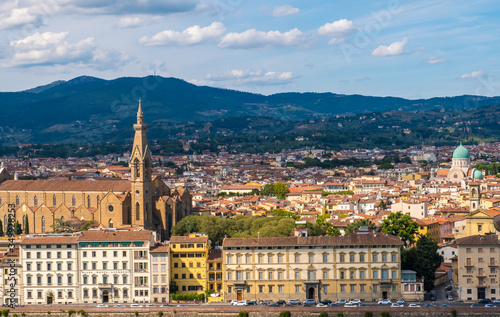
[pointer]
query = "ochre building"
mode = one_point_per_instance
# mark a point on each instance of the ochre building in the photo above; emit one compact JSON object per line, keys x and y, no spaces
{"x":143,"y":201}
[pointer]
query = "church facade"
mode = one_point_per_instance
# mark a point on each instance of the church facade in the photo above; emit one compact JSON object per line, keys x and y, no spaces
{"x":143,"y":201}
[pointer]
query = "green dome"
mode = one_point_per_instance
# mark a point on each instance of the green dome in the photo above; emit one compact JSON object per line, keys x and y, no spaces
{"x":477,"y":175}
{"x":461,"y":153}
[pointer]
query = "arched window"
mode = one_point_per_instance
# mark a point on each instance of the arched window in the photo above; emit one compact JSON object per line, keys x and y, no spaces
{"x":137,"y":211}
{"x":35,"y":201}
{"x":137,"y":168}
{"x":24,"y":221}
{"x":17,"y":200}
{"x":110,"y":223}
{"x":72,"y":213}
{"x":54,"y":200}
{"x":88,"y":201}
{"x":5,"y":223}
{"x":62,"y":218}
{"x":98,"y":200}
{"x":73,"y":201}
{"x":43,"y":224}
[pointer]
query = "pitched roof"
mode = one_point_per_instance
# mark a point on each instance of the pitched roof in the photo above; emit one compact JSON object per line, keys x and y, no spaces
{"x":101,"y":235}
{"x":50,"y":239}
{"x":352,"y":239}
{"x":186,"y":239}
{"x":66,"y":185}
{"x":478,"y":240}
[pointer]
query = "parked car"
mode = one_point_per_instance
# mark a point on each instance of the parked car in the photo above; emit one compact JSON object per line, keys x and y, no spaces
{"x":484,"y":301}
{"x":181,"y":305}
{"x":265,"y":303}
{"x":102,"y":305}
{"x":361,"y":305}
{"x":414,"y":305}
{"x":474,"y":305}
{"x":164,"y":305}
{"x":251,"y":302}
{"x":448,"y":288}
{"x":401,"y":301}
{"x":309,"y":302}
{"x":334,"y":305}
{"x":119,"y":305}
{"x":445,"y":305}
{"x":241,"y":303}
{"x":273,"y":305}
{"x":384,"y":302}
{"x":450,"y":297}
{"x":234,"y":302}
{"x":397,"y":305}
{"x":341,"y":302}
{"x":135,"y":305}
{"x":321,"y":305}
{"x":281,"y":302}
{"x":150,"y":305}
{"x":496,"y":301}
{"x":355,"y":301}
{"x":490,"y":305}
{"x":294,"y":302}
{"x":326,"y":301}
{"x":350,"y":305}
{"x":429,"y":305}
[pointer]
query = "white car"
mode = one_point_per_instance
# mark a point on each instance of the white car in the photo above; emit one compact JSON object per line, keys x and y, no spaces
{"x":234,"y":302}
{"x":135,"y":305}
{"x":241,"y":303}
{"x":413,"y":305}
{"x":321,"y":305}
{"x":384,"y":302}
{"x":350,"y":305}
{"x":355,"y":301}
{"x":294,"y":302}
{"x":150,"y":305}
{"x":397,"y":305}
{"x":102,"y":305}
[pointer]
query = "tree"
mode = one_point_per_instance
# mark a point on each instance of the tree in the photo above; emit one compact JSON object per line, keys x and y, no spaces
{"x":87,"y":225}
{"x":358,"y":224}
{"x":1,"y":229}
{"x":382,"y":205}
{"x":17,"y":228}
{"x":267,"y":190}
{"x":281,"y":190}
{"x":331,"y":231}
{"x":285,"y":213}
{"x":424,"y":259}
{"x":402,"y":226}
{"x":61,"y":226}
{"x":26,"y":226}
{"x":386,"y":166}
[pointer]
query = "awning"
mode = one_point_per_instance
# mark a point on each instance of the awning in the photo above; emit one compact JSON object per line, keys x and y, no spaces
{"x":125,"y":243}
{"x":138,"y":242}
{"x":104,"y":243}
{"x":83,"y":243}
{"x":94,"y":243}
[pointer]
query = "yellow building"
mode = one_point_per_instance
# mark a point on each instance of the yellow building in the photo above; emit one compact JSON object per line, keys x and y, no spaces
{"x":215,"y":274}
{"x":188,"y":262}
{"x":364,"y":265}
{"x":480,"y":222}
{"x":428,"y":227}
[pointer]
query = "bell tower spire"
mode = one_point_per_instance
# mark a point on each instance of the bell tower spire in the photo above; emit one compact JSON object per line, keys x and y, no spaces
{"x":140,"y":176}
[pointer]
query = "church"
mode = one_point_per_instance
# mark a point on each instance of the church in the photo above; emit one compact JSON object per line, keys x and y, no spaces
{"x":144,"y":201}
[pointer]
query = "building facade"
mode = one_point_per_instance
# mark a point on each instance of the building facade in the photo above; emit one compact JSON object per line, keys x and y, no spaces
{"x":143,"y":201}
{"x":160,"y":274}
{"x":188,"y":262}
{"x":363,"y":265}
{"x":477,"y":267}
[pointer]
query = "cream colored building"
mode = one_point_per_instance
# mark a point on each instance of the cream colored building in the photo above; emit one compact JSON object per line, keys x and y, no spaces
{"x":49,"y":269}
{"x":160,"y":265}
{"x":478,"y":267}
{"x":363,"y":265}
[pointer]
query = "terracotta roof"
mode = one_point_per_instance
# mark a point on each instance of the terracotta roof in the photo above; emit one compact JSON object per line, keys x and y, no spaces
{"x":160,"y":249}
{"x":352,"y":239}
{"x":100,"y":235}
{"x":49,"y":239}
{"x":215,"y":255}
{"x":478,"y":240}
{"x":66,"y":185}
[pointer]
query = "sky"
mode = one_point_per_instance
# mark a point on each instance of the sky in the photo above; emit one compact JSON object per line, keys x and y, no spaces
{"x":412,"y":49}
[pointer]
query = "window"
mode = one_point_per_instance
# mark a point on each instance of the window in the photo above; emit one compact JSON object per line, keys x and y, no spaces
{"x":85,"y":280}
{"x":229,"y":259}
{"x":342,"y":288}
{"x":325,"y":289}
{"x":28,"y":280}
{"x":311,"y":275}
{"x":353,"y":288}
{"x":375,"y":275}
{"x":269,"y":259}
{"x":351,"y":258}
{"x":374,"y":258}
{"x":325,"y":258}
{"x":280,"y":258}
{"x":270,"y":287}
{"x":43,"y":222}
{"x":297,"y":258}
{"x":297,"y":275}
{"x":362,"y":288}
{"x":393,"y":257}
{"x":269,"y":275}
{"x":28,"y":255}
{"x":361,"y":258}
{"x":229,"y":276}
{"x":70,"y":279}
{"x":342,"y":260}
{"x":94,"y":265}
{"x":385,"y":274}
{"x":248,"y":275}
{"x":384,"y":258}
{"x":229,"y":289}
{"x":375,"y":288}
{"x":280,"y":276}
{"x":248,"y":259}
{"x":73,"y":201}
{"x":342,"y":275}
{"x":311,"y":258}
{"x":393,"y":274}
{"x":469,"y":291}
{"x":124,"y":265}
{"x":362,"y":275}
{"x":104,"y":265}
{"x":261,"y":276}
{"x":28,"y":266}
{"x":54,"y":200}
{"x":352,"y":275}
{"x":261,"y":288}
{"x":297,"y":288}
{"x":468,"y":250}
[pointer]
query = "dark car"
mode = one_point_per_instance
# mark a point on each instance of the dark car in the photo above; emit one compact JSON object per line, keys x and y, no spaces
{"x":251,"y":302}
{"x":326,"y":301}
{"x":334,"y":305}
{"x":281,"y":302}
{"x":433,"y":297}
{"x":484,"y":301}
{"x":273,"y":305}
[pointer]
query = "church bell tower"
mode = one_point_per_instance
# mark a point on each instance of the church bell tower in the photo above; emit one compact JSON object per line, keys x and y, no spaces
{"x":142,"y":186}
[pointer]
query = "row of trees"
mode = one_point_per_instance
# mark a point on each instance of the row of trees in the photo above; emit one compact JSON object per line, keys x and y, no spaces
{"x":18,"y":229}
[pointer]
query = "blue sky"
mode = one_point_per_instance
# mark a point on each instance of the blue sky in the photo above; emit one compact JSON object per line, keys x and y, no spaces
{"x":411,"y":49}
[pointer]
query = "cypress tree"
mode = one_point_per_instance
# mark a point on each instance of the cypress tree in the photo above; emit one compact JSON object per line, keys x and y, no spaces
{"x":26,"y":226}
{"x":17,"y":228}
{"x":1,"y":229}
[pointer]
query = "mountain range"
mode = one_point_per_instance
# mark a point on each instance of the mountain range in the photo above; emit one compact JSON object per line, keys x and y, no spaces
{"x":92,"y":110}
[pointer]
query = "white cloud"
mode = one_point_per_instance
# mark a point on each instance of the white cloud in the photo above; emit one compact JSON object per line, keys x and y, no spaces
{"x":284,"y":10}
{"x":474,"y":74}
{"x":435,"y":60}
{"x":12,"y":15}
{"x":338,"y":28}
{"x":132,"y":21}
{"x":51,"y":49}
{"x":396,"y":48}
{"x":257,"y":39}
{"x":190,"y":36}
{"x":258,"y":77}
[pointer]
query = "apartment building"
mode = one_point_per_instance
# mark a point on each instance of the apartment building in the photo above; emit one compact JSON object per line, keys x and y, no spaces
{"x":363,"y":265}
{"x":49,"y":269}
{"x":215,"y":264}
{"x":114,"y":266}
{"x":160,"y":263}
{"x":188,"y":262}
{"x":477,"y":267}
{"x":10,"y":277}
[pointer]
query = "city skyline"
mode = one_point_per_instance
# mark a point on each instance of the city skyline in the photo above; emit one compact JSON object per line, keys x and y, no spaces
{"x":398,"y":48}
